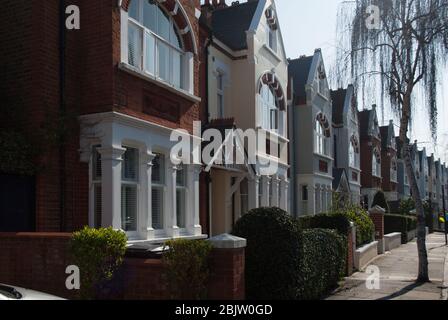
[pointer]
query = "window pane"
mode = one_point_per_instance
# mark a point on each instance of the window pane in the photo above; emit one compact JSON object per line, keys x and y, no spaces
{"x":150,"y":52}
{"x":157,"y":208}
{"x":158,"y":173}
{"x":164,"y":61}
{"x":180,"y":207}
{"x":174,"y":38}
{"x":96,"y":165}
{"x":130,"y":165}
{"x":135,"y":46}
{"x":97,"y":198}
{"x":163,"y":25}
{"x":129,"y":208}
{"x":150,"y":16}
{"x":177,"y":69}
{"x":133,"y":9}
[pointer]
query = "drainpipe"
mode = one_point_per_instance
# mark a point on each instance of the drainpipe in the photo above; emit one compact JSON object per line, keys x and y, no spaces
{"x":62,"y":109}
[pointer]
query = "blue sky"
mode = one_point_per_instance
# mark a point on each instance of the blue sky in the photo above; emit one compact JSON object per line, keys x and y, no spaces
{"x":310,"y":24}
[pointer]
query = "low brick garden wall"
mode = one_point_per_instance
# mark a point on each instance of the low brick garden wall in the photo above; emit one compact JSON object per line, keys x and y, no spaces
{"x":38,"y":261}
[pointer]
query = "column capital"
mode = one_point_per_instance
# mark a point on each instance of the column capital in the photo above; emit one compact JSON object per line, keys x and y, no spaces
{"x":148,"y":157}
{"x":111,"y":153}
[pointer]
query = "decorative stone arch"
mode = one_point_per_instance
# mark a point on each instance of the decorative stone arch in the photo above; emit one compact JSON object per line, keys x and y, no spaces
{"x":322,"y":118}
{"x":180,"y":17}
{"x":354,"y":141}
{"x":271,"y":80}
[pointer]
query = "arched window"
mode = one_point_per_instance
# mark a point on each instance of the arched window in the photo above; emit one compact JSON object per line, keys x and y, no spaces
{"x":393,"y":170}
{"x":321,"y":145}
{"x":154,"y":43}
{"x":376,"y":164}
{"x":270,"y":108}
{"x":354,"y":153}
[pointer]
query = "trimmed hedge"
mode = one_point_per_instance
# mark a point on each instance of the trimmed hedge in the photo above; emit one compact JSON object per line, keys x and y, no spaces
{"x":187,"y":269}
{"x":273,"y":254}
{"x":336,"y":221}
{"x":323,"y":263}
{"x":399,"y":223}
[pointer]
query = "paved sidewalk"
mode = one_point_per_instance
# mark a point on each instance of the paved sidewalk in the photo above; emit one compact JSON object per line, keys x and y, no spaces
{"x":398,"y":273}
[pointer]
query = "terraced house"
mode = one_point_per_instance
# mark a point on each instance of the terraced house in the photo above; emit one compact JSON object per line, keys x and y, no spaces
{"x":122,"y":83}
{"x":245,"y":88}
{"x":371,"y":168}
{"x":346,"y":147}
{"x":311,"y":146}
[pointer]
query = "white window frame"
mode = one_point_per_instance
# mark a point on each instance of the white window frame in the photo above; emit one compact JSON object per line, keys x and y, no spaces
{"x":376,"y":164}
{"x":182,"y":188}
{"x":394,"y":170}
{"x":321,"y":140}
{"x":133,"y":183}
{"x":270,"y":109}
{"x":144,"y":33}
{"x":162,"y":187}
{"x":220,"y":104}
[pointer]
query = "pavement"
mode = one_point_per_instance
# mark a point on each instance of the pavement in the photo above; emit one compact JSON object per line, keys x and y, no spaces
{"x":397,"y":274}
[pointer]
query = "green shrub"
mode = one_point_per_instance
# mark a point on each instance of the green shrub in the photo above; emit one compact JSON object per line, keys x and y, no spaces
{"x":272,"y":255}
{"x":406,"y":206}
{"x":336,"y":221}
{"x":365,"y":228}
{"x":399,"y":223}
{"x":98,"y":253}
{"x":323,"y":262}
{"x":186,"y":268}
{"x":380,"y":200}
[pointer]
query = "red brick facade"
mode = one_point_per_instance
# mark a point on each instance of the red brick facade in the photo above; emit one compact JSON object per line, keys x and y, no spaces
{"x":94,"y":83}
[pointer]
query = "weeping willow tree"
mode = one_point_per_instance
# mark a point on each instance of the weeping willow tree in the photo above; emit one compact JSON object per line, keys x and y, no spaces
{"x":395,"y":48}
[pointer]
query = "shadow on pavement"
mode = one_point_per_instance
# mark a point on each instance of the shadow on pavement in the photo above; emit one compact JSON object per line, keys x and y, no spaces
{"x":403,"y":291}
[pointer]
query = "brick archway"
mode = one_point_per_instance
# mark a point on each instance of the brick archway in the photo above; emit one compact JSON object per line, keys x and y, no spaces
{"x":176,"y":11}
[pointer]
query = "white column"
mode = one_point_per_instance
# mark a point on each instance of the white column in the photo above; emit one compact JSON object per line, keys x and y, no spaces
{"x":193,"y":208}
{"x":111,"y":162}
{"x":284,"y":186}
{"x":172,"y":228}
{"x":275,"y":185}
{"x":265,"y":183}
{"x":254,"y":185}
{"x":146,"y":209}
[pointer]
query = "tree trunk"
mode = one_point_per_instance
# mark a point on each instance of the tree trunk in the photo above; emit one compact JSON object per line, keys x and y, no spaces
{"x":423,"y":274}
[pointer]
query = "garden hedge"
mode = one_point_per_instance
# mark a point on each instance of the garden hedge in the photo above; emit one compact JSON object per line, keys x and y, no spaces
{"x":399,"y":223}
{"x":337,"y":222}
{"x":323,"y":263}
{"x":273,"y":254}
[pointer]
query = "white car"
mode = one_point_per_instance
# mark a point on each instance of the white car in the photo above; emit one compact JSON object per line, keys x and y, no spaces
{"x":17,"y":293}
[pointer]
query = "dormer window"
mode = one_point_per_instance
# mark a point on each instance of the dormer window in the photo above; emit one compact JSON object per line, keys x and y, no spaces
{"x":154,"y":43}
{"x":321,"y":81}
{"x":271,"y":29}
